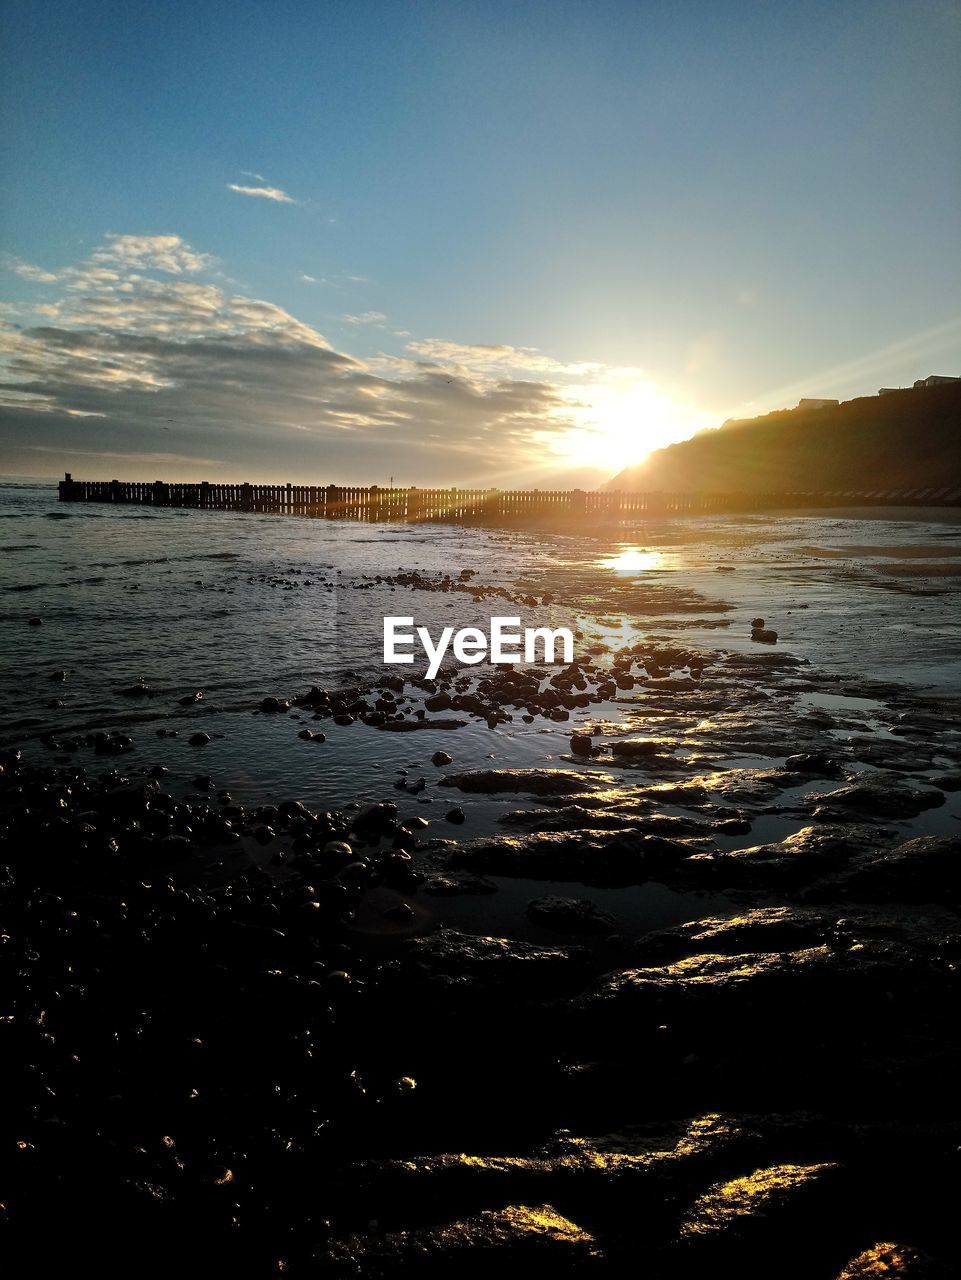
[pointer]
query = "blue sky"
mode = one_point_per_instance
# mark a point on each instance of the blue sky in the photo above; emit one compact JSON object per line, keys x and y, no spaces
{"x":537,"y":237}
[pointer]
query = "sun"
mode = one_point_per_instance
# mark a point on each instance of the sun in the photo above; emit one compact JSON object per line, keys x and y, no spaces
{"x":617,"y":423}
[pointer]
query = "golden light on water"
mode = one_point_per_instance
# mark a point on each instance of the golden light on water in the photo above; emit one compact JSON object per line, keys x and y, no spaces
{"x":634,"y":560}
{"x":617,"y":632}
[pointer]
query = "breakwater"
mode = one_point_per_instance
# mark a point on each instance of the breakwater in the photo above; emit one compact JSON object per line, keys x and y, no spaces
{"x":482,"y":506}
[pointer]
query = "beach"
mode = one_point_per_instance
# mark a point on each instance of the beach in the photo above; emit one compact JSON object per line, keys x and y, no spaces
{"x":332,"y":965}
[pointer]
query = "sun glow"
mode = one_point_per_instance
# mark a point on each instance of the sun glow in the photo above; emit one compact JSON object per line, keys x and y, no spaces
{"x":634,"y":560}
{"x":619,"y":422}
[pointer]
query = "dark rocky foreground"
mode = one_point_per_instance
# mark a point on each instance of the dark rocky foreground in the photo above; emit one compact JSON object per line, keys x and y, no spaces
{"x":228,"y":1074}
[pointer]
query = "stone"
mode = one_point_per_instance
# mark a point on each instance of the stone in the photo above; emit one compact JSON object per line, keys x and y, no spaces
{"x":521,"y":1238}
{"x":452,"y":885}
{"x":570,"y":915}
{"x":893,"y":800}
{"x":274,"y":706}
{"x":540,"y":782}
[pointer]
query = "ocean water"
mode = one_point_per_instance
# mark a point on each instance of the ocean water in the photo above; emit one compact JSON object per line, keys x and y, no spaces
{"x":240,"y":606}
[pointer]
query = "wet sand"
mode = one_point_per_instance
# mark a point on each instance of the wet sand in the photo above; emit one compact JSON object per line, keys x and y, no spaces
{"x":645,"y":965}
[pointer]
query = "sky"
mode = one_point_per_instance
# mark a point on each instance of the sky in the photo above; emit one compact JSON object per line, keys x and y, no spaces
{"x":509,"y":244}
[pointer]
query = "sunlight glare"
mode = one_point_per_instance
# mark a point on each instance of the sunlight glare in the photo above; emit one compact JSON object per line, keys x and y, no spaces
{"x":619,"y":422}
{"x":634,"y":560}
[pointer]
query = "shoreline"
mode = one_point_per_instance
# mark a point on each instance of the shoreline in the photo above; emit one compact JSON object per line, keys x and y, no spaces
{"x":331,"y":967}
{"x":274,"y":969}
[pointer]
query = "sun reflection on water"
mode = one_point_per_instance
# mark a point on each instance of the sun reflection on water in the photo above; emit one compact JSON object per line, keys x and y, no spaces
{"x":634,"y":560}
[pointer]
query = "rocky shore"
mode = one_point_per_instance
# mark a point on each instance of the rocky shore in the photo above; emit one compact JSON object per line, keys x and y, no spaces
{"x":265,"y":1039}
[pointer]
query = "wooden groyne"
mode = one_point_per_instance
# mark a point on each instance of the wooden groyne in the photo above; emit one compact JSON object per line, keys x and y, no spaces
{"x":465,"y":506}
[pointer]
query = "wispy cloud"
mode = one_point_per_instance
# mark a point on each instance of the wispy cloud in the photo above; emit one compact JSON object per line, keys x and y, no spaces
{"x":262,"y":193}
{"x":366,"y":317}
{"x":337,"y":280}
{"x":490,"y":358}
{"x":27,"y":271}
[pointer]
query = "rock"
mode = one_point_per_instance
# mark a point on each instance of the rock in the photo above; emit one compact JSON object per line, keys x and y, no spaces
{"x":764,"y":636}
{"x":591,"y":857}
{"x":455,"y":815}
{"x":759,"y":1224}
{"x":440,"y":758}
{"x":763,"y":929}
{"x":889,"y":801}
{"x":199,"y":739}
{"x":130,"y":799}
{"x":784,"y":1015}
{"x":139,"y":690}
{"x":273,"y":706}
{"x":926,"y":869}
{"x":538,"y":782}
{"x":404,"y":726}
{"x":520,"y":1238}
{"x":640,"y":748}
{"x":733,"y":826}
{"x":376,"y":821}
{"x":888,"y":1261}
{"x":570,"y":915}
{"x":339,"y":850}
{"x":581,"y":744}
{"x":818,"y":764}
{"x":314,"y":697}
{"x":450,"y":961}
{"x":797,"y":860}
{"x":450,"y":886}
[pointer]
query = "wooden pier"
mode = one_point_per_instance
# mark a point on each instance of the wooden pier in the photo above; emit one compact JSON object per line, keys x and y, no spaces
{"x":470,"y":506}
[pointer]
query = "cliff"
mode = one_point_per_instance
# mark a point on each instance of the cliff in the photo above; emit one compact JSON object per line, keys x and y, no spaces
{"x":902,"y":440}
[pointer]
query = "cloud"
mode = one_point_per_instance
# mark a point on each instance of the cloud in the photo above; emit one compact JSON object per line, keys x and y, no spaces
{"x":262,"y":193}
{"x":145,"y":355}
{"x":27,"y":271}
{"x":366,"y":317}
{"x":482,"y":357}
{"x":337,"y":280}
{"x":166,"y":253}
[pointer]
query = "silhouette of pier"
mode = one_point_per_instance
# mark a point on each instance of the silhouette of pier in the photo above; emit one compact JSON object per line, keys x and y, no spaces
{"x":469,"y":506}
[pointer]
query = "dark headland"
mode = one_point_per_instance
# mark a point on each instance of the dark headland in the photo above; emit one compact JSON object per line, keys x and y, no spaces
{"x":902,"y":439}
